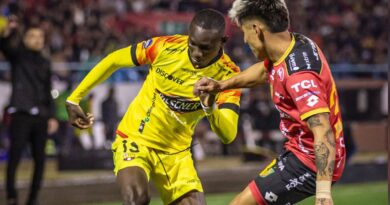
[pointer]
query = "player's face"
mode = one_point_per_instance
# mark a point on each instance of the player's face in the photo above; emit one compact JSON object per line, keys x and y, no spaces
{"x":251,"y":31}
{"x":204,"y":45}
{"x":34,"y":39}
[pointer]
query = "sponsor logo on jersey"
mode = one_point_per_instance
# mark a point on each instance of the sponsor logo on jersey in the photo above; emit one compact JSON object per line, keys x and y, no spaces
{"x":168,"y":76}
{"x":174,"y":50}
{"x":292,"y":62}
{"x":307,"y":60}
{"x":180,"y":104}
{"x":190,"y":72}
{"x":313,"y":100}
{"x":128,"y":157}
{"x":307,"y":94}
{"x":147,"y":43}
{"x":303,"y":57}
{"x":298,"y":181}
{"x":305,"y":84}
{"x":281,"y":166}
{"x":314,"y":49}
{"x":148,"y":114}
{"x":270,"y":196}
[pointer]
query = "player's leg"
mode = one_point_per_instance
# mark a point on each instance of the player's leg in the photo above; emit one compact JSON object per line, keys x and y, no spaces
{"x":132,"y":167}
{"x":285,"y":181}
{"x":133,"y":184}
{"x":176,"y":179}
{"x":38,"y":138}
{"x":19,"y":130}
{"x":247,"y":197}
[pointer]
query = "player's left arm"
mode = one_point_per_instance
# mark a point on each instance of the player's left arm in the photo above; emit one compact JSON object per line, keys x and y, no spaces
{"x":223,"y":113}
{"x":310,"y":97}
{"x":325,"y":153}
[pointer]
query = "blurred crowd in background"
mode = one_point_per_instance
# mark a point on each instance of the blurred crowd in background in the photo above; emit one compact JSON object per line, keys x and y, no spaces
{"x":350,"y":31}
{"x":81,"y":32}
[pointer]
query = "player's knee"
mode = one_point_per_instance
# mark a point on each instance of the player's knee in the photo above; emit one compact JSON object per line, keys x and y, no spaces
{"x":134,"y":196}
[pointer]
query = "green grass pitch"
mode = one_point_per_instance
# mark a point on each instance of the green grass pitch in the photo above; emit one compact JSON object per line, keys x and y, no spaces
{"x":351,"y":194}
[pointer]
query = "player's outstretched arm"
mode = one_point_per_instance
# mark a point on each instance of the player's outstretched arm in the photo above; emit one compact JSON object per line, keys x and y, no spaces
{"x":252,"y":76}
{"x":98,"y":74}
{"x":103,"y":70}
{"x":325,"y":152}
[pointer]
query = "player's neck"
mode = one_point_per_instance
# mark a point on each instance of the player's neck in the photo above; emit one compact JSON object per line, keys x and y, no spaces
{"x":277,"y":45}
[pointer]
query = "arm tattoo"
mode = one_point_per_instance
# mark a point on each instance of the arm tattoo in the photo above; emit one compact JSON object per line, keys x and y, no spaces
{"x":322,"y":154}
{"x":330,"y":137}
{"x":314,"y":121}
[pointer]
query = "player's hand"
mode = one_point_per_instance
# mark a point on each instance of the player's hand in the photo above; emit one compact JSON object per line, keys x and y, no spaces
{"x":206,"y":85}
{"x":77,"y":117}
{"x":324,"y":201}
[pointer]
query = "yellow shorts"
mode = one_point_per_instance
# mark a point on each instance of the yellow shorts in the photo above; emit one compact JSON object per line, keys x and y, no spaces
{"x":172,"y":174}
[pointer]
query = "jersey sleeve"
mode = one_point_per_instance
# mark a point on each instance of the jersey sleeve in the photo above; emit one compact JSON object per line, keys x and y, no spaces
{"x":224,"y":119}
{"x":308,"y":93}
{"x":230,"y":99}
{"x":147,"y":51}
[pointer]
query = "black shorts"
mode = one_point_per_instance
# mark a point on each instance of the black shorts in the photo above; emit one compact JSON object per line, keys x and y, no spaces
{"x":285,"y":181}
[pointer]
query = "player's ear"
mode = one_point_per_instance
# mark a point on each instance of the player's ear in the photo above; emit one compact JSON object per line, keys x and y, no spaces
{"x":259,"y":31}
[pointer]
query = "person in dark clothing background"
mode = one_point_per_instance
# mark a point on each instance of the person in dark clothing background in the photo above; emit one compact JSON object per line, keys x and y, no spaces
{"x":110,"y":115}
{"x":31,"y":104}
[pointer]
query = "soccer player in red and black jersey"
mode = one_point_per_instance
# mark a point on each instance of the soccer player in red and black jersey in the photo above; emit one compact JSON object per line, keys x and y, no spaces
{"x":304,"y":93}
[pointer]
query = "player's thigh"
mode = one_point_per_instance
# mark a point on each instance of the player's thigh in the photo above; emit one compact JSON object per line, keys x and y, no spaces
{"x":175,"y":177}
{"x":132,"y":167}
{"x":128,"y":153}
{"x":285,"y":181}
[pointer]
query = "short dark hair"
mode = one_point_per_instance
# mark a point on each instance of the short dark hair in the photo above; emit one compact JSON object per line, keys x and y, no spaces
{"x":209,"y":19}
{"x":273,"y":13}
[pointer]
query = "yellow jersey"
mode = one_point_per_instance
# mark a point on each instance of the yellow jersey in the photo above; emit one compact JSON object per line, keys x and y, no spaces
{"x":165,"y":112}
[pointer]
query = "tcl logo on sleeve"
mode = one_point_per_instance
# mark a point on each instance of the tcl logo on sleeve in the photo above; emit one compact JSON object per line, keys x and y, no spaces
{"x":305,"y":84}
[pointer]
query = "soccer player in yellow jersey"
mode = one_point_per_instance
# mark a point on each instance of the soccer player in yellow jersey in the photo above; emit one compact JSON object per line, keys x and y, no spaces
{"x":154,"y":137}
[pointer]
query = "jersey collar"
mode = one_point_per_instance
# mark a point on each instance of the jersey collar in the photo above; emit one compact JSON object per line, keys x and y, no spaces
{"x":220,"y":53}
{"x":290,"y":47}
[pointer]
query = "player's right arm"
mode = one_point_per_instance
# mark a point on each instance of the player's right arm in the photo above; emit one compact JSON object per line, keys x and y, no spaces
{"x":252,"y":76}
{"x":135,"y":55}
{"x":98,"y":74}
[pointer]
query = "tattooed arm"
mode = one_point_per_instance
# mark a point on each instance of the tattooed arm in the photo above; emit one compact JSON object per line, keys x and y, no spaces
{"x":324,"y":149}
